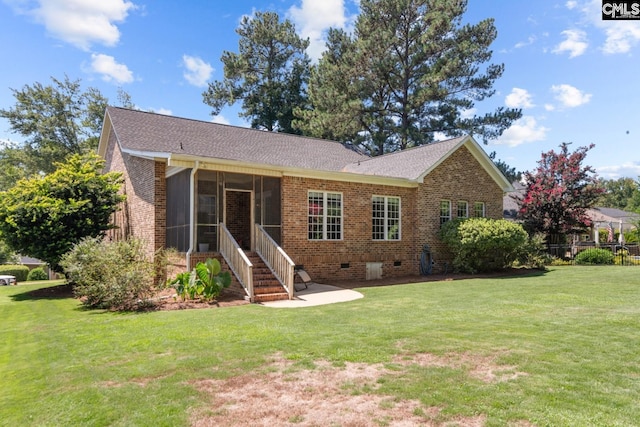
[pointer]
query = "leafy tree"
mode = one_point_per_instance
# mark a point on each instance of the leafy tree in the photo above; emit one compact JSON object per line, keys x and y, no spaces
{"x":269,"y":74}
{"x":509,"y":172}
{"x":56,"y":121}
{"x":622,"y":193}
{"x":7,"y":256}
{"x":558,"y":193}
{"x":44,"y":217}
{"x":411,"y":70}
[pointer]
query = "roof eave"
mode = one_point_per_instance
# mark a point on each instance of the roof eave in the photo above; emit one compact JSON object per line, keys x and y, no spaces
{"x":226,"y":165}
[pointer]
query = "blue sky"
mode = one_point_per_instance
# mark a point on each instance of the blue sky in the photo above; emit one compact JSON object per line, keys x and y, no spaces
{"x":575,"y":76}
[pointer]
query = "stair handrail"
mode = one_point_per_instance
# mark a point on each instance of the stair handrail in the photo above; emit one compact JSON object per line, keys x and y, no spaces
{"x":237,"y":260}
{"x":275,"y":258}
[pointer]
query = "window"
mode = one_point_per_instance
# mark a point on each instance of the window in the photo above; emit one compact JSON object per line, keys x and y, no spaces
{"x":463,"y":209}
{"x":478,"y":210}
{"x":325,"y":216}
{"x":386,"y":218}
{"x":445,"y":211}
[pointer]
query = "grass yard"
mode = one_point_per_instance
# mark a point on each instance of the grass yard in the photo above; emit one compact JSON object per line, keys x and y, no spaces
{"x":555,"y":349}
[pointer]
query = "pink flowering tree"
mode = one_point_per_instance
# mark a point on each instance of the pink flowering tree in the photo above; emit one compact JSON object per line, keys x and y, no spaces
{"x":558,"y":193}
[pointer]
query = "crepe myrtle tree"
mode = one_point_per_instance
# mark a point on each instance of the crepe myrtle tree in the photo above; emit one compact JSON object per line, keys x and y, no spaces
{"x":558,"y":193}
{"x":45,"y":216}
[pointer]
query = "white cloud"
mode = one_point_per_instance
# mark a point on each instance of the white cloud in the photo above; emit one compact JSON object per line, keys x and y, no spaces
{"x":627,"y":169}
{"x":164,"y":111}
{"x":314,"y":17}
{"x":518,"y":98}
{"x":110,"y":70}
{"x":524,"y":130}
{"x":569,"y":96}
{"x":531,"y":40}
{"x":620,"y":36}
{"x":571,"y":4}
{"x":79,"y":22}
{"x":220,"y":120}
{"x":575,"y":43}
{"x":197,"y":71}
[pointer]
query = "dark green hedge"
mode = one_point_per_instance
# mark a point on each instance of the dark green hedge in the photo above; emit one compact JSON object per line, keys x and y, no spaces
{"x":20,"y":271}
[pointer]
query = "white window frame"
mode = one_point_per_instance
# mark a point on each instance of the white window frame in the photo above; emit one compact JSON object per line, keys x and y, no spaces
{"x":325,"y":217}
{"x":465,"y":213}
{"x":483,"y":211}
{"x":445,"y":218}
{"x":386,"y":219}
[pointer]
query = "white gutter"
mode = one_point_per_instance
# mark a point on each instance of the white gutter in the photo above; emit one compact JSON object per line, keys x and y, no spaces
{"x":192,"y":213}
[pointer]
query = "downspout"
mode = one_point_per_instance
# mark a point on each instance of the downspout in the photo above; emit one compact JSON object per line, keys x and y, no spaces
{"x":192,"y":213}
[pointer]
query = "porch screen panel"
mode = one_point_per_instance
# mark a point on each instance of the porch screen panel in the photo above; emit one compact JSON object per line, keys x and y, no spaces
{"x":272,"y":207}
{"x":207,"y":209}
{"x":177,"y":226}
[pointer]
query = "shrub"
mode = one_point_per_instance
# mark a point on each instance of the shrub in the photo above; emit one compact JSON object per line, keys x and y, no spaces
{"x":533,"y":252}
{"x":555,"y":261}
{"x":20,"y":271}
{"x":594,"y":256}
{"x":37,"y":273}
{"x":483,"y":244}
{"x":206,"y":281}
{"x":112,"y":275}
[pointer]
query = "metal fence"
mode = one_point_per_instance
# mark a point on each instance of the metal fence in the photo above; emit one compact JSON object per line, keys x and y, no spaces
{"x":628,"y":254}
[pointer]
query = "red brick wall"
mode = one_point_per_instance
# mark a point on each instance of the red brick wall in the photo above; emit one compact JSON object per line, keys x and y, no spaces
{"x":143,"y":214}
{"x":459,"y":177}
{"x":323,"y":260}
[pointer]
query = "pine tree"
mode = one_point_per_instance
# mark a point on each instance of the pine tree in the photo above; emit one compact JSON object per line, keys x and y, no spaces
{"x":413,"y":71}
{"x":269,"y":74}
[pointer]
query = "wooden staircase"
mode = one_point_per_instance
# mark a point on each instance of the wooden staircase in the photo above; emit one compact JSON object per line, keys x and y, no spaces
{"x":265,"y":285}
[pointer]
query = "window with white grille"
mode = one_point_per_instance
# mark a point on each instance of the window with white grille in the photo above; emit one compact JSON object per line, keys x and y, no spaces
{"x":445,"y":211}
{"x":385,"y":218}
{"x":325,"y":216}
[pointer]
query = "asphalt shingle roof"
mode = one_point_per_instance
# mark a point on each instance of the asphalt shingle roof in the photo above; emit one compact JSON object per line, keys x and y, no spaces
{"x":149,"y":132}
{"x":155,"y":134}
{"x":409,"y":164}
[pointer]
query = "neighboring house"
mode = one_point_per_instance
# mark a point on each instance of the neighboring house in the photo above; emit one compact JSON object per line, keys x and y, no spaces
{"x":618,"y":220}
{"x":35,"y":263}
{"x":199,"y":186}
{"x":602,"y":218}
{"x":510,"y":203}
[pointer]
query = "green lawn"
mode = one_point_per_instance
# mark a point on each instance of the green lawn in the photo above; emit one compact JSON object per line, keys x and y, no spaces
{"x":573,"y":333}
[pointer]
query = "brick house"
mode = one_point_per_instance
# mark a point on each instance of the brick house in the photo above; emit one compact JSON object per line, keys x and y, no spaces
{"x":251,"y":196}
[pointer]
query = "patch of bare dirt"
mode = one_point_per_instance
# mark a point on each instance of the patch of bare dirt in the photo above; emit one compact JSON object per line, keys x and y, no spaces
{"x":331,"y":396}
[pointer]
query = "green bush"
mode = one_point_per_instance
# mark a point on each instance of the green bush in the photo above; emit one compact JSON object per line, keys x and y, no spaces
{"x":112,"y":275}
{"x":483,"y":244}
{"x":594,"y":256}
{"x":533,"y":253}
{"x":20,"y":271}
{"x":206,"y":281}
{"x":37,"y":273}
